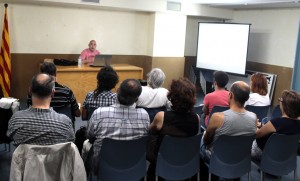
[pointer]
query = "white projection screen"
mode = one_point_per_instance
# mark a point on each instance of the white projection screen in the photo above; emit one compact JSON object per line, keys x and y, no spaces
{"x":223,"y":46}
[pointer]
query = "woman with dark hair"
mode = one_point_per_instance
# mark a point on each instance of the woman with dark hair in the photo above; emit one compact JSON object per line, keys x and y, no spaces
{"x":259,"y":91}
{"x":289,"y":123}
{"x":179,"y":122}
{"x":102,"y":96}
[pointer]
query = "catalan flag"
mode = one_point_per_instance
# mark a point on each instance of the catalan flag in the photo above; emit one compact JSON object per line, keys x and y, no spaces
{"x":5,"y":64}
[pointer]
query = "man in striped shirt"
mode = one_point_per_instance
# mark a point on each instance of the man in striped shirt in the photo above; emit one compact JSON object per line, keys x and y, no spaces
{"x":39,"y":124}
{"x":63,"y":96}
{"x":120,"y":121}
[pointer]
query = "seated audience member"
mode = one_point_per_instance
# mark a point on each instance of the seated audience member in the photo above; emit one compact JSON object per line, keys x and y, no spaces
{"x":102,"y":96}
{"x":217,"y":98}
{"x":88,"y":55}
{"x":234,"y":122}
{"x":121,"y":121}
{"x":289,"y":123}
{"x":154,"y":97}
{"x":259,"y":91}
{"x":181,"y":121}
{"x":40,"y":124}
{"x":63,"y":95}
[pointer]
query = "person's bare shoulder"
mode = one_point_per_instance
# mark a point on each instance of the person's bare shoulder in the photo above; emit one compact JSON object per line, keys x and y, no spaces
{"x":217,"y":119}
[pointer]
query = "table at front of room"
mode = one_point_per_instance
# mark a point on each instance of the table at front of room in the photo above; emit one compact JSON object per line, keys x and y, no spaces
{"x":83,"y":79}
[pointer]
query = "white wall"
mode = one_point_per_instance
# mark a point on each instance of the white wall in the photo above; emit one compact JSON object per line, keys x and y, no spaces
{"x":273,"y":35}
{"x":66,"y":26}
{"x":206,"y":11}
{"x":191,"y":38}
{"x":187,"y":8}
{"x":67,"y":30}
{"x":169,"y":35}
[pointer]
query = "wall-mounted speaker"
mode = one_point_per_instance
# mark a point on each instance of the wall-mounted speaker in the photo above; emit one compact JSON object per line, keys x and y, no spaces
{"x":173,"y":6}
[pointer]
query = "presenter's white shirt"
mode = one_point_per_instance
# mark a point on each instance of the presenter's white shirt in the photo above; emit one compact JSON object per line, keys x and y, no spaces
{"x":256,"y":99}
{"x":152,"y":98}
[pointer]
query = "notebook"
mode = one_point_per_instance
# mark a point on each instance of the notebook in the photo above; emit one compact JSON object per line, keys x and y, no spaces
{"x":101,"y":60}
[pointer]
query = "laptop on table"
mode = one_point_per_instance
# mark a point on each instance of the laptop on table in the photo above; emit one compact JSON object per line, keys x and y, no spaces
{"x":101,"y":60}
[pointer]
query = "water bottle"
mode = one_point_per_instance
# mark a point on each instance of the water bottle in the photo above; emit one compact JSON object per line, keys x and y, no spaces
{"x":79,"y":62}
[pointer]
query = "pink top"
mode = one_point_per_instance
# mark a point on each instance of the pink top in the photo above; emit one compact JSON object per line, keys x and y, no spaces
{"x":216,"y":98}
{"x":87,"y":56}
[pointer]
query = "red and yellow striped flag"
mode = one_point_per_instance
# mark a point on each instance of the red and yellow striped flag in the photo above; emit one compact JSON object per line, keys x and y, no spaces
{"x":5,"y":64}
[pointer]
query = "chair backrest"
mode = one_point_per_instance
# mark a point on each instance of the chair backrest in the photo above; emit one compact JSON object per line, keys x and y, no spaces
{"x":91,"y":111}
{"x":153,"y":111}
{"x":276,"y":113}
{"x":122,"y":159}
{"x":218,"y":109}
{"x":279,"y":156}
{"x":178,"y":157}
{"x":260,"y":111}
{"x":51,"y":162}
{"x":198,"y":110}
{"x":66,"y":110}
{"x":231,"y":156}
{"x":5,"y":115}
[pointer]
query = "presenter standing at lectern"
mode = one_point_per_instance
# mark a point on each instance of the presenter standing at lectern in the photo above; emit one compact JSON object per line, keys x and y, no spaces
{"x":88,"y":54}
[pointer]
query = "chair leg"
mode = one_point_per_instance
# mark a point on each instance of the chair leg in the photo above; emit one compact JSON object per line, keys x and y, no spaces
{"x":295,"y":174}
{"x":249,"y":177}
{"x":156,"y":178}
{"x":8,"y":147}
{"x":261,"y":175}
{"x":198,"y":176}
{"x":209,"y":177}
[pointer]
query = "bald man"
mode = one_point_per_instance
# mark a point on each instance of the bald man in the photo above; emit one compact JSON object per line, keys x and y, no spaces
{"x":88,"y":55}
{"x":234,"y":122}
{"x":40,"y":124}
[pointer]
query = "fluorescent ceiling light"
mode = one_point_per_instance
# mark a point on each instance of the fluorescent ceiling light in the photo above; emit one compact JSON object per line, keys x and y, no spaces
{"x":233,"y":1}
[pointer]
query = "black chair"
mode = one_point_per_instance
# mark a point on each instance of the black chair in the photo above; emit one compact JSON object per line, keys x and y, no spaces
{"x":276,"y":113}
{"x":199,"y":110}
{"x":5,"y":115}
{"x":279,"y":156}
{"x":66,"y":110}
{"x":260,"y":111}
{"x":153,"y":111}
{"x":231,"y":156}
{"x":122,"y":160}
{"x":298,"y":149}
{"x":178,"y":157}
{"x":218,"y":109}
{"x":91,"y":111}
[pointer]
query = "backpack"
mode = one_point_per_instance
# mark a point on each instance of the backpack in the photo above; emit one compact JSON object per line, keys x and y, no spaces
{"x":80,"y":137}
{"x":64,"y":62}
